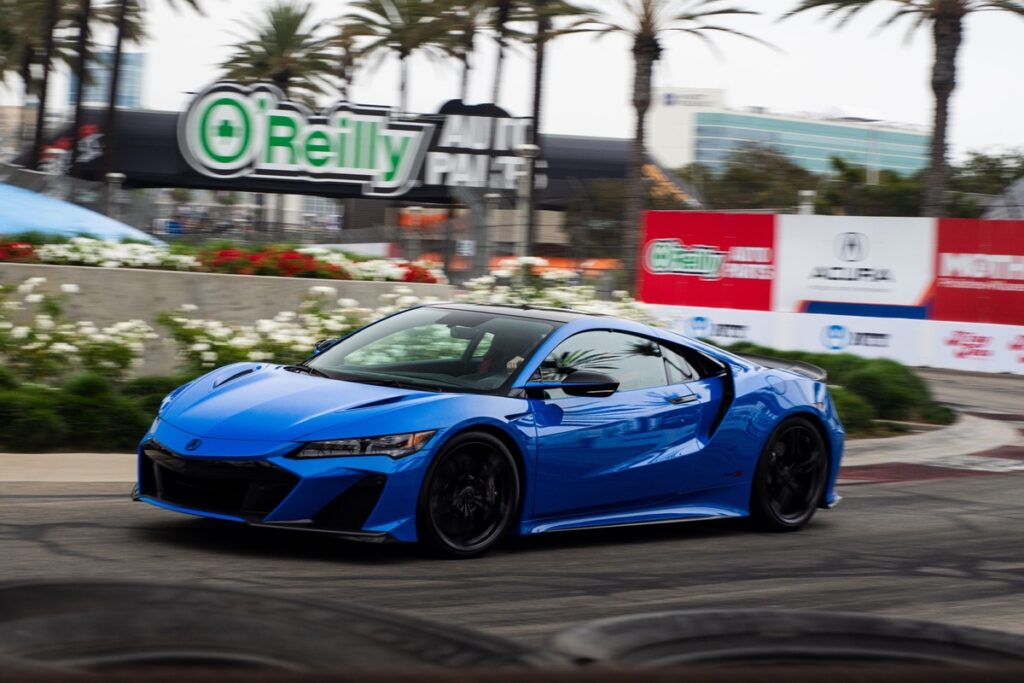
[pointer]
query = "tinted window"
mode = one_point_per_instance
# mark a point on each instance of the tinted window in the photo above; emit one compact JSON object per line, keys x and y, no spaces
{"x":634,"y":361}
{"x":686,"y":365}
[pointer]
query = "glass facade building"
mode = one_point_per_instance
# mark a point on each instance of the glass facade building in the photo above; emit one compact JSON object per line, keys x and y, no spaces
{"x":689,"y":125}
{"x":97,"y":85}
{"x":810,"y":143}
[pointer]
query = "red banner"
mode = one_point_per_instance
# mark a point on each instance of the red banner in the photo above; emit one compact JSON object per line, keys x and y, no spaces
{"x":979,"y":272}
{"x":713,"y":260}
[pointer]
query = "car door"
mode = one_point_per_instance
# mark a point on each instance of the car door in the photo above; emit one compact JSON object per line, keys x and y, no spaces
{"x":625,"y":450}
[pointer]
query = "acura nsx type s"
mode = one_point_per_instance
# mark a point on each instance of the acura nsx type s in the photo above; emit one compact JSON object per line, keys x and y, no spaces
{"x":453,"y":425}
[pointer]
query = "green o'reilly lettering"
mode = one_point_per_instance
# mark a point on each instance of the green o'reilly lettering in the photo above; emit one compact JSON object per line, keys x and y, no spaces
{"x":672,"y":257}
{"x":223,"y":128}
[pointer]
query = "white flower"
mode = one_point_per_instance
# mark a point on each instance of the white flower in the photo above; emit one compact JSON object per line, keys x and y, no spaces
{"x":348,"y":303}
{"x":323,"y":290}
{"x":69,"y":288}
{"x":209,"y":356}
{"x":33,"y":298}
{"x":188,"y":308}
{"x":20,"y":332}
{"x":200,"y":346}
{"x":258,"y":355}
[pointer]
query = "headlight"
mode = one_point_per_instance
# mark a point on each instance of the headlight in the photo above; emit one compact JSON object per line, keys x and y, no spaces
{"x":394,"y":446}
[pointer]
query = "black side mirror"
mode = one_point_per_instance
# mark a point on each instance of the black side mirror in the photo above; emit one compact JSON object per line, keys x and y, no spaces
{"x":579,"y":383}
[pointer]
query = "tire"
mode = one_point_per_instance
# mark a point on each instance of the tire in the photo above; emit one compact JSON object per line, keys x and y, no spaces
{"x":470,"y":497}
{"x":790,"y":478}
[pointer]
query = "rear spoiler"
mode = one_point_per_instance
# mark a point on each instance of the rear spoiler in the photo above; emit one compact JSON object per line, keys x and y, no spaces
{"x":798,"y":366}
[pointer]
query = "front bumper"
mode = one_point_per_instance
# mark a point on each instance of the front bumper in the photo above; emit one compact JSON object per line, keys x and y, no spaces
{"x":369,"y":499}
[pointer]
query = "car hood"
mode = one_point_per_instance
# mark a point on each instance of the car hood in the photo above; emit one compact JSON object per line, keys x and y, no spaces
{"x":267,"y":403}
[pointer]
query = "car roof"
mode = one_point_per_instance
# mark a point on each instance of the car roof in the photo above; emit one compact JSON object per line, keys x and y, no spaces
{"x":551,"y":314}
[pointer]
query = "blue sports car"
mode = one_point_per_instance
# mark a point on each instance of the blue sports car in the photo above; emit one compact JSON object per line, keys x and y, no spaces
{"x":453,"y":425}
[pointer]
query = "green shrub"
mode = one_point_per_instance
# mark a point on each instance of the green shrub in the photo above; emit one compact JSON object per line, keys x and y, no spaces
{"x":855,"y":413}
{"x":148,"y":392}
{"x":97,"y":417}
{"x":891,"y":395}
{"x":30,"y":420}
{"x":935,"y":413}
{"x":7,"y":379}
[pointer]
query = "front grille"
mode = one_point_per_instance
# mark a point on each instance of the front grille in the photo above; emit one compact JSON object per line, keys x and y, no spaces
{"x":249,"y":489}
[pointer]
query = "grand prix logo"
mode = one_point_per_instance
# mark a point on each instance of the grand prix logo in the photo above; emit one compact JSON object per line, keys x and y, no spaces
{"x":969,"y":345}
{"x":702,"y":326}
{"x":231,"y":130}
{"x":836,"y":337}
{"x":839,"y":337}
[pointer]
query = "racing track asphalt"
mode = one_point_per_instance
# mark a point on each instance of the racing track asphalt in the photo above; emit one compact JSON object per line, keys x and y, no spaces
{"x":947,"y":550}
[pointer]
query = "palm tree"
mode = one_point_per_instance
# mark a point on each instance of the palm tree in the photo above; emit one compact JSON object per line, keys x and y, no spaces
{"x":647,"y":23}
{"x":346,"y":59}
{"x":126,"y":16}
{"x":283,"y":47}
{"x":465,"y":21}
{"x":399,"y":27}
{"x":946,"y":18}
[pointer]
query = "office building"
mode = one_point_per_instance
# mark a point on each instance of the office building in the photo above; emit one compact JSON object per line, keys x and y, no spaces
{"x":695,"y":125}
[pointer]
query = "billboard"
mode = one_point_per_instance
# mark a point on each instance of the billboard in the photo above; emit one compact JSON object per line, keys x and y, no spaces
{"x":875,"y":267}
{"x":708,"y":259}
{"x":941,"y":293}
{"x":979,"y":268}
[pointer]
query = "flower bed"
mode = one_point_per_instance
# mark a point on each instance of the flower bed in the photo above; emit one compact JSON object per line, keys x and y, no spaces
{"x":281,"y":261}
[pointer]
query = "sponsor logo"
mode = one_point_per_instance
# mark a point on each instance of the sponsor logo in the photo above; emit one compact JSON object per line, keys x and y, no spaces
{"x":839,"y":337}
{"x":232,"y":130}
{"x":982,"y":266}
{"x":1016,"y":345}
{"x":193,"y":444}
{"x":672,"y":257}
{"x":852,"y":246}
{"x":969,"y":345}
{"x":701,"y":326}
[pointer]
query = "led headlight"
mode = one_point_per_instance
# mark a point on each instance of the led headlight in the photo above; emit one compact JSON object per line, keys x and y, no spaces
{"x":394,"y":446}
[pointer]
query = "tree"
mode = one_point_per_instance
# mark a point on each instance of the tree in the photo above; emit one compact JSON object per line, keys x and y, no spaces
{"x":401,"y":28}
{"x":987,"y":174}
{"x":846,"y":192}
{"x":283,"y":46}
{"x":755,"y":177}
{"x":347,"y":58}
{"x":647,"y":23}
{"x":466,"y":20}
{"x":946,"y":18}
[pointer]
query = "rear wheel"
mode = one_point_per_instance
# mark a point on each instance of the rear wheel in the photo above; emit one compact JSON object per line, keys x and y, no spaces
{"x":469,"y":498}
{"x":790,"y":477}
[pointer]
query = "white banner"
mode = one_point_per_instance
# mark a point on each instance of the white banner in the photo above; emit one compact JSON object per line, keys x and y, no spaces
{"x":898,"y":339}
{"x":721,"y":325}
{"x":827,"y":261}
{"x":977,"y":347}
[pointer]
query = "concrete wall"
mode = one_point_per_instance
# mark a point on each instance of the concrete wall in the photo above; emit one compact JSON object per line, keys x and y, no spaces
{"x":109,"y":295}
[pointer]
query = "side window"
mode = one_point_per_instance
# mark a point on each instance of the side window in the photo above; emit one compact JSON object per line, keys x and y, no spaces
{"x":686,"y":365}
{"x":483,"y":346}
{"x":634,"y":361}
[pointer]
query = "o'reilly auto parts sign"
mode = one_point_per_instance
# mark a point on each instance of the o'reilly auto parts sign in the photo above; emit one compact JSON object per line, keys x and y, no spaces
{"x":232,"y":130}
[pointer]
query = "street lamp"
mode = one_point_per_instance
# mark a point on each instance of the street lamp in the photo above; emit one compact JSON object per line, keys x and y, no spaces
{"x":524,"y":241}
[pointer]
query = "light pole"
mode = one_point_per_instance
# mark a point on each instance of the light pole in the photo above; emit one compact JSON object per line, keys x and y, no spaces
{"x":524,"y":240}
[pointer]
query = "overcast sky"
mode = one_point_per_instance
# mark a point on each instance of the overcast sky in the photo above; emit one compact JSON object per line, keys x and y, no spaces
{"x":856,"y":70}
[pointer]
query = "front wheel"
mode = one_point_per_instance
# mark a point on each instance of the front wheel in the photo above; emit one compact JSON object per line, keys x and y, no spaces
{"x":470,"y":497}
{"x":790,"y":477}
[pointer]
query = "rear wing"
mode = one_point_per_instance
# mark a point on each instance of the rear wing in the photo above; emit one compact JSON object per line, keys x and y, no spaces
{"x":800,"y":367}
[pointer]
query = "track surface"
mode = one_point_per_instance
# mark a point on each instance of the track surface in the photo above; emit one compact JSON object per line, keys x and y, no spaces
{"x":945,"y":550}
{"x":948,"y":550}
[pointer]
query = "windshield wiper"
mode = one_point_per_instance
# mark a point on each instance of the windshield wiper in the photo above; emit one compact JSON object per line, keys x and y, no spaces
{"x":306,"y":369}
{"x":389,"y":382}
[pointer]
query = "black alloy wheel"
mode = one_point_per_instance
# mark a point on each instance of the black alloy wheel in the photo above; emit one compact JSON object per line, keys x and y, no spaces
{"x":470,"y":497}
{"x":791,"y":476}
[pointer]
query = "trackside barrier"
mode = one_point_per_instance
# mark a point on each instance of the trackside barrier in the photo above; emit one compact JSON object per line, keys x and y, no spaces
{"x":925,"y":292}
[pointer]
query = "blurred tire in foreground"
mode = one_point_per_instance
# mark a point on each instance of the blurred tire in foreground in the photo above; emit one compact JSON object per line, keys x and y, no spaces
{"x":783,"y":638}
{"x":110,"y":627}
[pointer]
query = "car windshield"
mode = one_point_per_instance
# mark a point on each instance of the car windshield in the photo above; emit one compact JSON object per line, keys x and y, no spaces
{"x":437,"y":349}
